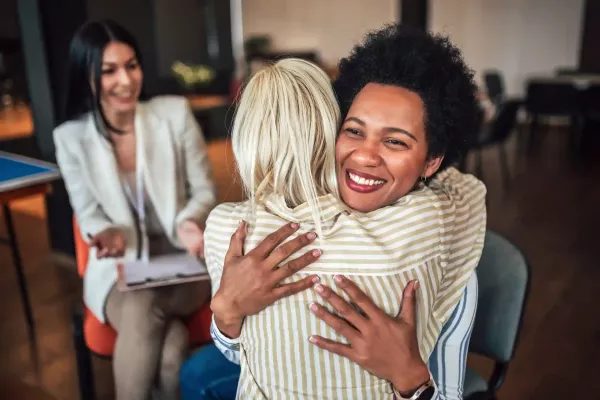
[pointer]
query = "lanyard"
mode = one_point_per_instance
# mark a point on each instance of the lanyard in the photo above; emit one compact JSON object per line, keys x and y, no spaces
{"x":138,"y":201}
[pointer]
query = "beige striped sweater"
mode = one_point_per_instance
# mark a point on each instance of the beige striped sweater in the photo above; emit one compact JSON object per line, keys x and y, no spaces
{"x":434,"y":234}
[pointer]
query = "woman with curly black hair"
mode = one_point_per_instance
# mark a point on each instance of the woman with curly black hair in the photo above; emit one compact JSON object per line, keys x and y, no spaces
{"x":424,"y":64}
{"x":409,"y":110}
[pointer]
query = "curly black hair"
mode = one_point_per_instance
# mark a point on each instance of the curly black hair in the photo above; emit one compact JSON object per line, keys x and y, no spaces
{"x":427,"y":64}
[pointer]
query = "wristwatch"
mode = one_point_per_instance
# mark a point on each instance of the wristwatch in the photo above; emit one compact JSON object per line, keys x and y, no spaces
{"x":424,"y":392}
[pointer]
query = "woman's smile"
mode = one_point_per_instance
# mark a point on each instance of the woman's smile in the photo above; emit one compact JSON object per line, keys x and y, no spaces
{"x":362,"y":182}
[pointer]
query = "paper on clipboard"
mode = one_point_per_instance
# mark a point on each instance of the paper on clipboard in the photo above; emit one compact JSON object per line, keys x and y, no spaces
{"x":168,"y":269}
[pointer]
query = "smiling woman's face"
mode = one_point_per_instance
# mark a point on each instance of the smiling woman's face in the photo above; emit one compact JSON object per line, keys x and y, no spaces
{"x":121,"y":78}
{"x":381,"y":151}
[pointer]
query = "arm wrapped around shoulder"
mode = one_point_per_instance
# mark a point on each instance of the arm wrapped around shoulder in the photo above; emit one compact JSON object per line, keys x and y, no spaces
{"x":464,"y":223}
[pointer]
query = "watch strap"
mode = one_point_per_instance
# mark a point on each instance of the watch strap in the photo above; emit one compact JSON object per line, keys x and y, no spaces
{"x":423,"y":392}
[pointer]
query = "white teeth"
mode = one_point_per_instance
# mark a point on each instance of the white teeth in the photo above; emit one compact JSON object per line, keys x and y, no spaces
{"x":362,"y":181}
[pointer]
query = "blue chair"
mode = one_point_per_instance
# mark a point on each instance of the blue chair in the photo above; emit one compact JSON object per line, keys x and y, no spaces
{"x":504,"y":276}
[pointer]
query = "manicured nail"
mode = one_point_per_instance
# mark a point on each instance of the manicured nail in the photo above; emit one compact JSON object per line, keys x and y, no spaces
{"x":311,"y":235}
{"x":244,"y":224}
{"x":319,"y":288}
{"x":316,"y":279}
{"x":312,"y":339}
{"x":338,"y":278}
{"x":313,"y":307}
{"x":316,"y":253}
{"x":295,"y":225}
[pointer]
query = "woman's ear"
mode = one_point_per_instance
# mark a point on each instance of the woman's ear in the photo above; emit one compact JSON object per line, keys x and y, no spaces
{"x":432,"y":165}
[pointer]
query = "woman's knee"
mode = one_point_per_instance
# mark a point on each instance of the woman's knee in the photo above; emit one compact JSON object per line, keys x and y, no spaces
{"x":143,"y":309}
{"x":174,"y":349}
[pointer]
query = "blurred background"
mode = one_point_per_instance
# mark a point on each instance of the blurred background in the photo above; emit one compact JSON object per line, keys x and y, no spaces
{"x":538,"y":157}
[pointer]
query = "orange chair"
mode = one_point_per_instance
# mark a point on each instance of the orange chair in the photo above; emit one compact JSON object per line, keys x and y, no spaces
{"x":91,"y":336}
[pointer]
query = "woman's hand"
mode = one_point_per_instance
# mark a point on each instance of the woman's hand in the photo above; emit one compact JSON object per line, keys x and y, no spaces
{"x":109,"y":243}
{"x":386,"y":347}
{"x":250,"y":283}
{"x":191,"y":236}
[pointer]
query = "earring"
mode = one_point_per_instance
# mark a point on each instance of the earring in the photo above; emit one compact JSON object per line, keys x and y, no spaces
{"x":423,"y":179}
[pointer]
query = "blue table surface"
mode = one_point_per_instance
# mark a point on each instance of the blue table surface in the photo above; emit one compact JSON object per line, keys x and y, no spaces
{"x":17,"y":169}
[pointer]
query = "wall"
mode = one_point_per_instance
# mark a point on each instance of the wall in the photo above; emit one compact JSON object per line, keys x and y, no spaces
{"x":331,"y":27}
{"x":166,"y":33}
{"x":180,"y":33}
{"x":137,"y":16}
{"x":590,"y":51}
{"x":9,"y":27}
{"x":519,"y":37}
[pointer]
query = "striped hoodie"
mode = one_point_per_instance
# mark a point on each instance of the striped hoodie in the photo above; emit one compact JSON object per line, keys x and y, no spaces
{"x":434,"y":234}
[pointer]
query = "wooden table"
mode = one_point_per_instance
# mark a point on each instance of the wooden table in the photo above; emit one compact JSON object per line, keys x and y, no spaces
{"x":579,"y":81}
{"x":15,"y":122}
{"x":202,"y":102}
{"x":22,"y":177}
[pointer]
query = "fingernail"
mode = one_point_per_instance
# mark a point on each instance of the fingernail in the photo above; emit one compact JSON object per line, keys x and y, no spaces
{"x":417,"y":285}
{"x":313,"y":307}
{"x":338,"y":278}
{"x":311,"y":235}
{"x":295,"y":225}
{"x":316,"y":253}
{"x":319,"y":288}
{"x":312,"y":339}
{"x":316,"y":279}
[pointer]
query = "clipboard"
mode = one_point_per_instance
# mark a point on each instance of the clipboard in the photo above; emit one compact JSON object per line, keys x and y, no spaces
{"x":164,"y":270}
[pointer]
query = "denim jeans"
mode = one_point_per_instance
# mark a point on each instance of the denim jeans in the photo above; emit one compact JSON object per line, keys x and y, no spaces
{"x":208,"y":375}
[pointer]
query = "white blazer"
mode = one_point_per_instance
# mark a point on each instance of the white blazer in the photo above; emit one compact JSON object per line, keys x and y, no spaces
{"x":176,"y":177}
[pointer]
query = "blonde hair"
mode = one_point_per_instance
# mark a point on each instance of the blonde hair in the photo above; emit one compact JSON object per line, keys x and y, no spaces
{"x":284,"y":135}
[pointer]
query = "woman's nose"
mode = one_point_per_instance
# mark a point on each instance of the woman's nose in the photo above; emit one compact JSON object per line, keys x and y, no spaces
{"x":124,"y":77}
{"x":367,"y":155}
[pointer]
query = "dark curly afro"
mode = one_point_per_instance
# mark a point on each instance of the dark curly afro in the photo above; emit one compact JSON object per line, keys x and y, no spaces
{"x":427,"y":64}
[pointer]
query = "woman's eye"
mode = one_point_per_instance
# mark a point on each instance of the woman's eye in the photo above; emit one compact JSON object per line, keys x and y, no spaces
{"x":396,"y":142}
{"x":107,"y":71}
{"x":353,"y":132}
{"x":132,"y":66}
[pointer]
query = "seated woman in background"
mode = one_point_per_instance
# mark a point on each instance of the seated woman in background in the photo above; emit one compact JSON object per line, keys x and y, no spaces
{"x":138,"y":180}
{"x":399,"y":229}
{"x":396,"y":78}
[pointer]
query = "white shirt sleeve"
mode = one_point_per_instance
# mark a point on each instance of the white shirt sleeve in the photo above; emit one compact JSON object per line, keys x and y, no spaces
{"x":229,"y":347}
{"x":448,"y":362}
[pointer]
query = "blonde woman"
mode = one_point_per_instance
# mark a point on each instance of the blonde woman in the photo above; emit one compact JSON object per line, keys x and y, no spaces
{"x":284,"y":140}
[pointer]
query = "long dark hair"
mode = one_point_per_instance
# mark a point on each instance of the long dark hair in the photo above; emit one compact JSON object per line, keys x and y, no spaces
{"x":85,"y":62}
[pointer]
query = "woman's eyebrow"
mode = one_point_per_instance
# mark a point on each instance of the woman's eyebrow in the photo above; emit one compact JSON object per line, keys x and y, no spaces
{"x":355,"y":119}
{"x":388,"y":129}
{"x":403,"y":131}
